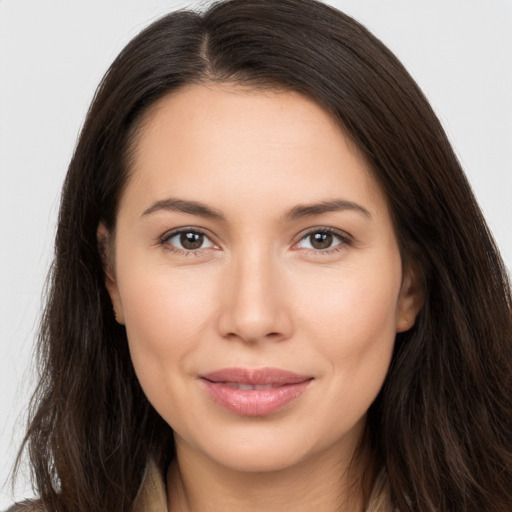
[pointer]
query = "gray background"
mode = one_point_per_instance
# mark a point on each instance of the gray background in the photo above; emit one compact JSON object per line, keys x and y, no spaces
{"x":53,"y":54}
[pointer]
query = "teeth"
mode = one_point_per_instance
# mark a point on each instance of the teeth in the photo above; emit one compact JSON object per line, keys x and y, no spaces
{"x":247,"y":387}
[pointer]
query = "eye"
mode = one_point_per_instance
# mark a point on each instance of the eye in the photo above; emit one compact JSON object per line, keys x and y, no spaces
{"x":188,"y":240}
{"x":322,"y":240}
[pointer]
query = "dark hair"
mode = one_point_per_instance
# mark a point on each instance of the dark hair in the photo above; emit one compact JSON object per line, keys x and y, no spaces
{"x":441,"y":426}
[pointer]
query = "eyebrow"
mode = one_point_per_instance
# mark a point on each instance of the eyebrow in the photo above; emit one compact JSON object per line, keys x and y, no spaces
{"x":184,"y":206}
{"x":335,"y":205}
{"x":297,"y":212}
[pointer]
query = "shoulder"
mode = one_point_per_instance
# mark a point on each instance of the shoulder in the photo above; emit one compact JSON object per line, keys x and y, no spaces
{"x":26,"y":506}
{"x":380,"y":498}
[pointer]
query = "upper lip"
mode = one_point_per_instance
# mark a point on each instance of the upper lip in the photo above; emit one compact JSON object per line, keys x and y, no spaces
{"x":255,"y":377}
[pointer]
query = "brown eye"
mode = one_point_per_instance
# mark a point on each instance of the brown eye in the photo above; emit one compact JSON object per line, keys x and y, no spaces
{"x":321,"y":240}
{"x":191,"y":240}
{"x":188,"y":241}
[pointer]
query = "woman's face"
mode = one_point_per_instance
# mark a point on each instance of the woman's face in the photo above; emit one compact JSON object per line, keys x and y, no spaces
{"x":258,"y":275}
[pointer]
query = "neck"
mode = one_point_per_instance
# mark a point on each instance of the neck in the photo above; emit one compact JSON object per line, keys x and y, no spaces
{"x":326,"y":483}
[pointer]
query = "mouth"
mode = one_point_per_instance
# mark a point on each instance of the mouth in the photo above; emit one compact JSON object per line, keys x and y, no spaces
{"x":257,"y":392}
{"x":249,"y":387}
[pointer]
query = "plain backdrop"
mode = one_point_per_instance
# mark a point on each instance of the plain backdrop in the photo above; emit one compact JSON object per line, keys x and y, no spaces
{"x":54,"y":53}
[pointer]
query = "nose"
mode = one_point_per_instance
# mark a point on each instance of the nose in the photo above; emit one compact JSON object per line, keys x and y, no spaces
{"x":254,"y":304}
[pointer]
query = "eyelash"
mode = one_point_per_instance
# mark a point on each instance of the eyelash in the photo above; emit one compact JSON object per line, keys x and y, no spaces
{"x":165,"y":241}
{"x":345,"y":240}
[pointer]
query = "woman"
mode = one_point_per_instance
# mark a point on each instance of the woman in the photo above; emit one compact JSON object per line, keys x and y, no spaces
{"x":268,"y":284}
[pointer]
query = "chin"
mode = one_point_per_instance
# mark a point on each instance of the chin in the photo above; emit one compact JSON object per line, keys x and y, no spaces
{"x":258,"y":458}
{"x":263,"y":448}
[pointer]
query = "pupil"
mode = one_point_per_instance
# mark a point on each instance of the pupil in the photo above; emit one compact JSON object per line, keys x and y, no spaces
{"x":321,"y":240}
{"x":191,"y":240}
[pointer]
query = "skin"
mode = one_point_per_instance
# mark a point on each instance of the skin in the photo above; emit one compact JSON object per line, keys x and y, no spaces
{"x":258,"y":294}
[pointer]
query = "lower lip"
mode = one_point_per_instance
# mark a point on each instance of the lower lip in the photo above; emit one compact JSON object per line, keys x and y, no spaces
{"x":254,"y":402}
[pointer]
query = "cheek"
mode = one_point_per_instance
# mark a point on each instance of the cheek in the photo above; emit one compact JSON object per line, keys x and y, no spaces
{"x":166,"y":315}
{"x":162,"y":312}
{"x":355,"y":304}
{"x":351,"y":318}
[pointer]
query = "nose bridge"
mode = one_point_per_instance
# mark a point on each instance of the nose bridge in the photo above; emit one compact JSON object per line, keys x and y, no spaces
{"x":254,"y":307}
{"x":253,"y":279}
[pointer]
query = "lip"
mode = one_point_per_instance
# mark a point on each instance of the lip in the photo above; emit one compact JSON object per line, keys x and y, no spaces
{"x":276,"y":388}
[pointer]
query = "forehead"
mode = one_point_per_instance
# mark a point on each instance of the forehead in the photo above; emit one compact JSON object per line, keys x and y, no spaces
{"x":226,"y":141}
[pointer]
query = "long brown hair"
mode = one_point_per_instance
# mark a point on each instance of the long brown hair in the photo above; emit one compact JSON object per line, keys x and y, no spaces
{"x":441,"y":426}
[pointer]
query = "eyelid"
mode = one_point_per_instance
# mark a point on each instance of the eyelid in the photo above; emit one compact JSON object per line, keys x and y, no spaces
{"x":346,"y":239}
{"x":163,"y":240}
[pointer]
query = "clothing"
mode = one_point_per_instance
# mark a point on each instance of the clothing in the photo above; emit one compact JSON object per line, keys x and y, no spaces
{"x":152,"y":496}
{"x":26,"y":506}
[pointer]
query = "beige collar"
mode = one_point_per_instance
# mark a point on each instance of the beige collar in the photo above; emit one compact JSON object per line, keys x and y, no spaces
{"x":152,"y":496}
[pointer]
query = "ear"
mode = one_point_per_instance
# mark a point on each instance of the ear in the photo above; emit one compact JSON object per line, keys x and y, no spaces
{"x":105,"y":248}
{"x":410,"y":300}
